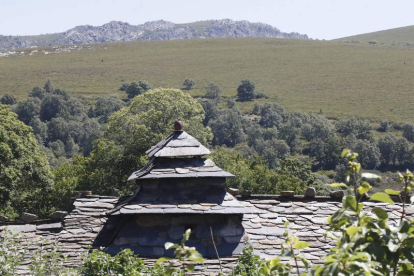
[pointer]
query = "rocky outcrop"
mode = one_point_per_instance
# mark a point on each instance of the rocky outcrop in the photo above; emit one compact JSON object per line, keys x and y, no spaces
{"x":116,"y":31}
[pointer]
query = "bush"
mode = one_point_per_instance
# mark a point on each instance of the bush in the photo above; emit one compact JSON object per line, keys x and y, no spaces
{"x":245,"y":91}
{"x":188,"y":84}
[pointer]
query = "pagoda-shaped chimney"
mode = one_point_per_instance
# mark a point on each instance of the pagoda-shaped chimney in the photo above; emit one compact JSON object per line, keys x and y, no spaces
{"x":179,"y":189}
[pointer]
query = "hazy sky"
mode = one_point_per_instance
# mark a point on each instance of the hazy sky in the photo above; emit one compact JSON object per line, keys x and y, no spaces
{"x":323,"y":19}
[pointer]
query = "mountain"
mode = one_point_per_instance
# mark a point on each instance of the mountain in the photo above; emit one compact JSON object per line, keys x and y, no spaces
{"x":399,"y":36}
{"x":116,"y":31}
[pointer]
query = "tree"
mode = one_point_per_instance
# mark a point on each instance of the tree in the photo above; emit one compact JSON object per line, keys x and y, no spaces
{"x":273,"y":151}
{"x":49,"y":87}
{"x":271,"y":115}
{"x":360,"y":128}
{"x":136,"y":88}
{"x":326,"y":152}
{"x":25,"y":177}
{"x":227,"y":128}
{"x":104,"y":107}
{"x":213,"y":91}
{"x":188,"y":84}
{"x":133,"y":130}
{"x":408,"y":132}
{"x":388,"y":148}
{"x":8,"y":99}
{"x":246,"y":90}
{"x":369,"y":154}
{"x":26,"y":110}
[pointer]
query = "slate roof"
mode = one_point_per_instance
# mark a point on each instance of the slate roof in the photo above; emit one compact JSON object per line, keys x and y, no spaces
{"x":201,"y":203}
{"x":265,"y":227}
{"x":178,"y":144}
{"x":179,"y":168}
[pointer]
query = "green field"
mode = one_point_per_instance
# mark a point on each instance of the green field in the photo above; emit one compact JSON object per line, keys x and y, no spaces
{"x":399,"y":36}
{"x":342,"y":79}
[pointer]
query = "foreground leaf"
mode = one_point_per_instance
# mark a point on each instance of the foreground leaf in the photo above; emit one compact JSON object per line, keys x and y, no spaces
{"x":382,"y":197}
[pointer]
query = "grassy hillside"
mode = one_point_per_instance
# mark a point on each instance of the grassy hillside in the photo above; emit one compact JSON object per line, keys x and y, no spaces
{"x":342,"y":79}
{"x":398,"y":36}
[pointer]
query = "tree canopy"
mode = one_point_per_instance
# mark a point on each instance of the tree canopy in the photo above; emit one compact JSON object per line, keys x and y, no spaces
{"x":25,"y":176}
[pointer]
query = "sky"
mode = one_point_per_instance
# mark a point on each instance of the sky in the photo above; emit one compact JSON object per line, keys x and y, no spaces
{"x":319,"y":19}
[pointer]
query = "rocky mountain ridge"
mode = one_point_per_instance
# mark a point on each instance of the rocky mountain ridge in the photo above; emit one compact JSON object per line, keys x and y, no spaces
{"x":116,"y":31}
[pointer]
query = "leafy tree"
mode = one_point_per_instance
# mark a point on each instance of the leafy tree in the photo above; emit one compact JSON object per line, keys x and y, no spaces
{"x":273,"y":151}
{"x":290,"y":135}
{"x":246,"y":90}
{"x":384,"y":126}
{"x":49,"y":87}
{"x":188,"y":84}
{"x":360,"y":128}
{"x":402,"y":150}
{"x":133,"y":130}
{"x":317,"y":126}
{"x":408,"y":132}
{"x":210,"y":109}
{"x":137,"y":88}
{"x":231,"y":103}
{"x":387,"y":146}
{"x":272,"y":115}
{"x":8,"y":99}
{"x":37,"y":92}
{"x":227,"y":128}
{"x":26,"y":110}
{"x":104,"y":107}
{"x":51,"y":107}
{"x":25,"y":176}
{"x":39,"y":129}
{"x":213,"y":91}
{"x":369,"y":154}
{"x":326,"y":152}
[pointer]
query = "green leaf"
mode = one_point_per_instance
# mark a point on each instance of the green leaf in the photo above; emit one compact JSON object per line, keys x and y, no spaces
{"x":334,"y":185}
{"x":381,"y":213}
{"x":392,"y":192}
{"x":345,"y":152}
{"x":364,"y":188}
{"x":301,"y":245}
{"x":400,"y":177}
{"x":370,"y":176}
{"x":196,"y":257}
{"x":382,"y":197}
{"x":169,"y":245}
{"x":304,"y":261}
{"x":352,"y":230}
{"x":350,"y":203}
{"x":163,"y":259}
{"x":274,"y":262}
{"x":190,"y":267}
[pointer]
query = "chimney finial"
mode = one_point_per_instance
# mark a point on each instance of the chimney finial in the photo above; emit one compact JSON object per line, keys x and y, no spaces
{"x":178,"y":125}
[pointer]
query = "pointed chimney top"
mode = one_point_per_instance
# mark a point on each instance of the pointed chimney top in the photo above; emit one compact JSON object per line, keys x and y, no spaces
{"x":178,"y":125}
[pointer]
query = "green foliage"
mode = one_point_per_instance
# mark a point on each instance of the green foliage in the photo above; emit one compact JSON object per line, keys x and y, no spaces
{"x":368,"y":245}
{"x":360,"y":128}
{"x":188,"y":84}
{"x":135,"y":88}
{"x":8,"y":99}
{"x":59,"y":122}
{"x":271,"y":115}
{"x":408,"y":132}
{"x":253,"y":174}
{"x":246,"y":90}
{"x":133,"y":130}
{"x":213,"y":91}
{"x":25,"y":177}
{"x":104,"y":107}
{"x":227,"y":128}
{"x":183,"y":254}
